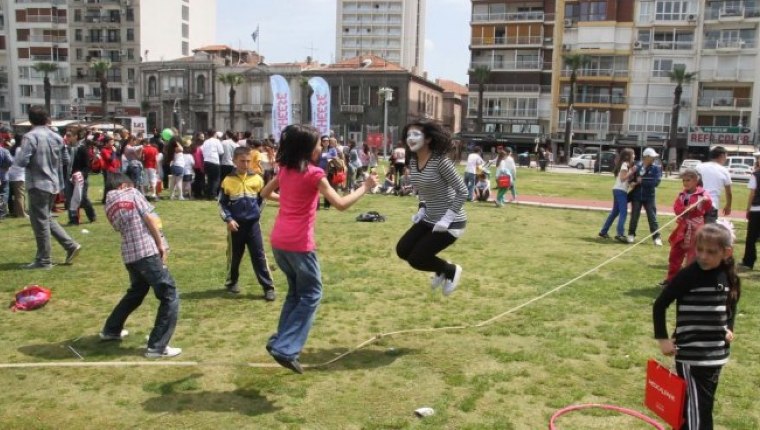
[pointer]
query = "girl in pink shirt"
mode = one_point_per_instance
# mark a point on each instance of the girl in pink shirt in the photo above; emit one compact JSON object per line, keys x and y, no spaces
{"x":300,"y":183}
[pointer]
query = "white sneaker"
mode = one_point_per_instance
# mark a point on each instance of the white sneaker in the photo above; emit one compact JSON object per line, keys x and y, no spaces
{"x":631,"y":238}
{"x":107,"y":336}
{"x":451,"y":284}
{"x":437,"y":280}
{"x":166,"y":353}
{"x":657,"y":241}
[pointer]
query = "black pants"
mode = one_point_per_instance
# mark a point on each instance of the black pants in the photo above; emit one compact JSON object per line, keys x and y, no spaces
{"x":248,"y":235}
{"x":650,"y":207}
{"x":753,"y":233}
{"x":701,"y":384}
{"x":198,"y":183}
{"x":213,"y":173}
{"x":419,"y":246}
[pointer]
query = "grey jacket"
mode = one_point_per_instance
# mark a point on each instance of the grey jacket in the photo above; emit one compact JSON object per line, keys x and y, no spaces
{"x":42,"y":154}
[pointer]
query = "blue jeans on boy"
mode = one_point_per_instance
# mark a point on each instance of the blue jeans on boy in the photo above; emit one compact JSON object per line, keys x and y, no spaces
{"x":650,"y":207}
{"x":619,"y":209}
{"x":144,"y":274}
{"x":469,"y":182}
{"x":304,"y":294}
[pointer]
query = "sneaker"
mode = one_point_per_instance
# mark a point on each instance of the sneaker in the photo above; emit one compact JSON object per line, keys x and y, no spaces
{"x":293,"y":364}
{"x":621,"y":239}
{"x":37,"y":265}
{"x":166,"y":353}
{"x":657,"y":241}
{"x":232,"y":288}
{"x":108,"y":336}
{"x":604,"y":235}
{"x":269,"y":295}
{"x":631,"y":238}
{"x":451,"y":284}
{"x":437,"y":280}
{"x":71,"y":254}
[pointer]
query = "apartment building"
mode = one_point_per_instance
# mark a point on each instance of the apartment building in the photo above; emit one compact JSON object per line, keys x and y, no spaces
{"x":390,"y":29}
{"x":74,"y":33}
{"x":5,"y":113}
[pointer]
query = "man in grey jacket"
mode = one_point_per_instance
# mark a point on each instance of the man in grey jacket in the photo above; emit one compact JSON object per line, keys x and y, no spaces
{"x":42,"y":154}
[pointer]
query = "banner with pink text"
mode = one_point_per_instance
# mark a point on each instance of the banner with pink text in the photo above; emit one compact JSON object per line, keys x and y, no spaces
{"x":282,"y":115}
{"x":320,"y":105}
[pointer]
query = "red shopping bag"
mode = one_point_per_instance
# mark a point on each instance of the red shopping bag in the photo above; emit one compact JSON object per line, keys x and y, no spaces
{"x":664,"y":394}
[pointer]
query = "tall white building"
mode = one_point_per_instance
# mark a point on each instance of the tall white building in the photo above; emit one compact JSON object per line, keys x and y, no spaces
{"x":391,"y":29}
{"x":73,"y":33}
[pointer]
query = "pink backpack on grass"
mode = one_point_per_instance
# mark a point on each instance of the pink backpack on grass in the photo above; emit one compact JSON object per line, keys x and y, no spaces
{"x":30,"y":298}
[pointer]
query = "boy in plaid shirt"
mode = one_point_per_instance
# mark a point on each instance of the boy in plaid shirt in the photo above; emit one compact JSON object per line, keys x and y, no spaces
{"x":144,"y":251}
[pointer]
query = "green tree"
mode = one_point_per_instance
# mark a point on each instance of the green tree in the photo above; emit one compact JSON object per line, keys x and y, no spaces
{"x":573,"y":62}
{"x":101,"y":68}
{"x":481,"y":75}
{"x":46,"y":69}
{"x":680,"y":76}
{"x":231,"y":79}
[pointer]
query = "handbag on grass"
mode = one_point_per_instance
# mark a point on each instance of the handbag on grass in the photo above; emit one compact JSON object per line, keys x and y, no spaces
{"x":665,"y":393}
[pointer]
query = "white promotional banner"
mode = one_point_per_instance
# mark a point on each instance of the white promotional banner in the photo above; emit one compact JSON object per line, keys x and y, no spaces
{"x":282,"y":115}
{"x":139,"y":125}
{"x":320,"y":105}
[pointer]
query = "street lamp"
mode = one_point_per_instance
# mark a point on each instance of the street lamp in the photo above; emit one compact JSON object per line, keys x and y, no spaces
{"x":387,"y":94}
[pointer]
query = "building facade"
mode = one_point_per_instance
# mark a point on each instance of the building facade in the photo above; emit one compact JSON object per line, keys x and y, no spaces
{"x":73,"y":34}
{"x":390,"y":29}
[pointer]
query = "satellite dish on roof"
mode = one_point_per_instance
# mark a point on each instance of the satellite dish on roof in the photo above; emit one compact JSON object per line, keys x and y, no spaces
{"x":366,"y":62}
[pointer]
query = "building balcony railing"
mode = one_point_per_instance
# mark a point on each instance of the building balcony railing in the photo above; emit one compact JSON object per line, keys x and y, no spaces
{"x":512,"y":16}
{"x":536,"y":64}
{"x":352,"y":108}
{"x":732,"y":12}
{"x":663,"y":46}
{"x":46,"y":18}
{"x":102,"y":19}
{"x":649,"y":128}
{"x":45,"y":39}
{"x":728,"y":103}
{"x":508,"y":40}
{"x":56,"y":58}
{"x":656,"y":102}
{"x":669,"y":18}
{"x":595,"y":99}
{"x":596,"y":73}
{"x":511,"y":88}
{"x":572,"y":45}
{"x":732,"y":44}
{"x":53,"y":2}
{"x":728,"y":74}
{"x":504,"y":113}
{"x":102,"y":39}
{"x":590,"y":127}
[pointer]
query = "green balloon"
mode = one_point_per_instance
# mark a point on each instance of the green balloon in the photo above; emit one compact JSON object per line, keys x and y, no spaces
{"x":167,"y":134}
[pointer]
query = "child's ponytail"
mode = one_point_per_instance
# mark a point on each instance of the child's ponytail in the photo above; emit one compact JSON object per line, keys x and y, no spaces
{"x":734,"y":283}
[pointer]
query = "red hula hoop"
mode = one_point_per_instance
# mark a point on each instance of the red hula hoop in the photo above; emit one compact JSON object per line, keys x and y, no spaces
{"x":625,"y":411}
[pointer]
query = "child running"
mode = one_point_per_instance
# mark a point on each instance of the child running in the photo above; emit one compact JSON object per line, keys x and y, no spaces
{"x":240,"y":208}
{"x":440,"y":219}
{"x":300,"y":184}
{"x":697,"y":201}
{"x":706,"y":294}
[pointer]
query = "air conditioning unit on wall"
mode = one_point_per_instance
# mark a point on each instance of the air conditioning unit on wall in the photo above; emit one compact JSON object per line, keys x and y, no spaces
{"x":637,"y":44}
{"x":568,"y":22}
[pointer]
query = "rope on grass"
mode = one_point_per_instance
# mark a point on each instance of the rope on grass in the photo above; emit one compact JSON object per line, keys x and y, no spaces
{"x":363,"y":344}
{"x":625,"y":411}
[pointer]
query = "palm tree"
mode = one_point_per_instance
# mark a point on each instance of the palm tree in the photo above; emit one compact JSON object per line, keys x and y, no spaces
{"x":680,"y":76}
{"x":231,"y":79}
{"x":101,"y":68}
{"x":481,"y":75}
{"x":572,"y":62}
{"x":46,"y":69}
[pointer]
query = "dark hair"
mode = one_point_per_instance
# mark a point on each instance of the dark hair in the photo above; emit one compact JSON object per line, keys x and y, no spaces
{"x":626,"y":155}
{"x":115,"y":180}
{"x":297,"y":143}
{"x":38,"y":115}
{"x":717,"y":152}
{"x":720,"y":235}
{"x":241,"y":150}
{"x":440,"y":139}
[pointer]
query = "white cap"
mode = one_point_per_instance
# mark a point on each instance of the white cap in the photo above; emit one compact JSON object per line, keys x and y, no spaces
{"x":219,"y":134}
{"x":649,"y":152}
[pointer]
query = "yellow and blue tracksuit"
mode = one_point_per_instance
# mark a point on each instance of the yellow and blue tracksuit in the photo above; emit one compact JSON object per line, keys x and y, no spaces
{"x":239,"y":200}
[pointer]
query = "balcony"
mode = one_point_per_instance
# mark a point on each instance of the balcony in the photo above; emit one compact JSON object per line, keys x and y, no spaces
{"x":598,"y":99}
{"x":658,"y":102}
{"x":732,"y":13}
{"x":723,"y":103}
{"x":45,"y":39}
{"x":536,"y":64}
{"x":512,"y":17}
{"x":52,"y":2}
{"x":728,"y":74}
{"x":670,"y":19}
{"x":664,"y":46}
{"x":352,"y":108}
{"x":509,"y":41}
{"x":601,"y":74}
{"x":115,"y":19}
{"x":253,"y":108}
{"x":511,"y":88}
{"x":46,"y":19}
{"x":729,"y":44}
{"x":102,"y":39}
{"x":494,"y":113}
{"x":49,"y":58}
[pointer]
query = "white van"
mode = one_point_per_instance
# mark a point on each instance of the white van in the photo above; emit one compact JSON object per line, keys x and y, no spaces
{"x":740,"y":159}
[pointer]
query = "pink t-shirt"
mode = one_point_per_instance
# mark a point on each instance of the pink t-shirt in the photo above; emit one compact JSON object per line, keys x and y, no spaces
{"x":299,"y":194}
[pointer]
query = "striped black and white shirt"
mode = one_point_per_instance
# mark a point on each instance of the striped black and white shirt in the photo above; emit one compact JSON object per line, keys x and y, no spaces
{"x":702,"y":316}
{"x":441,"y":188}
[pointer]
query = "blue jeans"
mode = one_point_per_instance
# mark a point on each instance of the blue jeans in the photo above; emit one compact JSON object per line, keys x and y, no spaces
{"x":304,"y":294}
{"x":650,"y":206}
{"x":469,"y":182}
{"x":619,"y":208}
{"x":4,"y":196}
{"x":144,"y":274}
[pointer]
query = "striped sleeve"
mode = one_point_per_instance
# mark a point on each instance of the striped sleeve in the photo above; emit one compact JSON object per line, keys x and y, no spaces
{"x":453,"y":179}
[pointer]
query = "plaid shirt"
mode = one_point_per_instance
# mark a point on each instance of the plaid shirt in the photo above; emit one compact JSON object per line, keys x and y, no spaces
{"x":125,"y":209}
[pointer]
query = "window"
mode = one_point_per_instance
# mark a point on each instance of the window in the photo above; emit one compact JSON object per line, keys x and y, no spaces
{"x":661,"y":67}
{"x":78,"y":34}
{"x":114,"y":94}
{"x":185,"y":13}
{"x":26,"y":90}
{"x":185,"y":48}
{"x":152,"y":90}
{"x":185,"y":30}
{"x":130,"y":74}
{"x":593,"y":11}
{"x":649,"y":122}
{"x":80,"y":92}
{"x":130,"y":34}
{"x":130,"y":14}
{"x":200,"y":84}
{"x":671,"y":10}
{"x":131,"y":93}
{"x":77,"y":15}
{"x":130,"y":54}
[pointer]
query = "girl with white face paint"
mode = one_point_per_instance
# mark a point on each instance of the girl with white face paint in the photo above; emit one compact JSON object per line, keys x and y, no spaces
{"x":440,"y":219}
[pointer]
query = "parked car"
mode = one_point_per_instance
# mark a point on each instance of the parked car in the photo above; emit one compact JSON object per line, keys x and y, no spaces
{"x":583,"y":161}
{"x":688,"y":164}
{"x":606,"y":162}
{"x":739,"y":172}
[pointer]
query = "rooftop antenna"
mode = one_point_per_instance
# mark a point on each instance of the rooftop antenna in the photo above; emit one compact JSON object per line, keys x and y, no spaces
{"x":311,"y":50}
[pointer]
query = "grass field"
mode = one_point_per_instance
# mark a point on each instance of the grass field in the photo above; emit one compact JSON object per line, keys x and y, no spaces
{"x":589,"y":342}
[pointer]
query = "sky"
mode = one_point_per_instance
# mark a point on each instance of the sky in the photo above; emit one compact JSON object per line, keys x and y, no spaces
{"x":291,"y":30}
